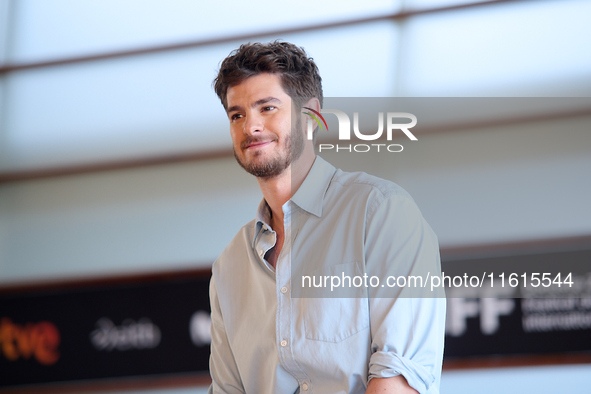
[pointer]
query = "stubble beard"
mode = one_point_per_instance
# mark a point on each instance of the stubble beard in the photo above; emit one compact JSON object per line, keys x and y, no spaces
{"x":275,"y":166}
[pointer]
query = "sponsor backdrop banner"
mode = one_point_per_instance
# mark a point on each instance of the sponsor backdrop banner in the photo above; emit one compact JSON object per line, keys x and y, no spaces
{"x":518,"y":316}
{"x":161,"y":327}
{"x":105,"y":331}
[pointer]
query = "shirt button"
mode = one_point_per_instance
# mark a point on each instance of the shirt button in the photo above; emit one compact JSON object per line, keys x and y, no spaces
{"x":305,"y":386}
{"x":284,"y":343}
{"x":284,"y":289}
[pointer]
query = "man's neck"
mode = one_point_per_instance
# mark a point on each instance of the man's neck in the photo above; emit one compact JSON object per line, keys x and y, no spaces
{"x":278,"y":190}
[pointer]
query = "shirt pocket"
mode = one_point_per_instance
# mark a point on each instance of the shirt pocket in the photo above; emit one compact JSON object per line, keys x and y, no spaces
{"x":332,"y":319}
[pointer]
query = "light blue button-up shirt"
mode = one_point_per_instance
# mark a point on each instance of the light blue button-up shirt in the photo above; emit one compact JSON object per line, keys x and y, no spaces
{"x":275,"y":332}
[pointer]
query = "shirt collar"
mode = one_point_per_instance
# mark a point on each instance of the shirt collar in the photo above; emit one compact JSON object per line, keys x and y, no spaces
{"x":263,"y":218}
{"x":310,"y":195}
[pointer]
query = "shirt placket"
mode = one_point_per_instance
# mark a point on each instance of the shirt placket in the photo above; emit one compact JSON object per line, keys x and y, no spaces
{"x":285,"y":307}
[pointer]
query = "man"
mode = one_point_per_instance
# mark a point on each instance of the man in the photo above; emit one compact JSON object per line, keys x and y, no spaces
{"x":314,"y":219}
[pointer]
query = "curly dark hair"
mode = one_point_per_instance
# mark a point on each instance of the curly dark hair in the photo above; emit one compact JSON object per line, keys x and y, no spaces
{"x":298,"y":72}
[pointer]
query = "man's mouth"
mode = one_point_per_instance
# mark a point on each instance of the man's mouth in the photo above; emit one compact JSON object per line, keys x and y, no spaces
{"x":257,"y":144}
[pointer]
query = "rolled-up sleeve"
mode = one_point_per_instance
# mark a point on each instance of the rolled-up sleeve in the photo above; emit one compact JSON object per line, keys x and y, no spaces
{"x":407,"y":322}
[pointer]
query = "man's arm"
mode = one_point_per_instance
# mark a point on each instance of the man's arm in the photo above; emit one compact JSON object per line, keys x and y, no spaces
{"x":396,"y":384}
{"x":225,"y":377}
{"x":407,"y":323}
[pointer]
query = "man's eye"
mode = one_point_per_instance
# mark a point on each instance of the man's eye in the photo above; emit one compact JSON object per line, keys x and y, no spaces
{"x":268,"y":108}
{"x":235,"y":117}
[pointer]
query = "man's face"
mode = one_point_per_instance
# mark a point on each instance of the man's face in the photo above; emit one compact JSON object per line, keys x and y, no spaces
{"x":260,"y":124}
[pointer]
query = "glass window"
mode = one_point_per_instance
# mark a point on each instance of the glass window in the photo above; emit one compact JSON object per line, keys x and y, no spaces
{"x":422,"y":4}
{"x":520,"y":48}
{"x":4,"y":28}
{"x":60,"y":28}
{"x":113,"y":109}
{"x":358,"y":60}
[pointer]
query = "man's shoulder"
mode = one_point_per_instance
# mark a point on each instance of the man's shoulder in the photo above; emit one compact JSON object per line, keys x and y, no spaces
{"x":372,"y":185}
{"x":241,"y":242}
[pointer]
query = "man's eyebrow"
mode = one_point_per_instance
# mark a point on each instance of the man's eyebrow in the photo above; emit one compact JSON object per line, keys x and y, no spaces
{"x":266,"y":100}
{"x":262,"y":101}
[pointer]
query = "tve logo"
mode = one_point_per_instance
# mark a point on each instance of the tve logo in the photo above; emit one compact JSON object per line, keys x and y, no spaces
{"x":392,"y":125}
{"x":40,"y":340}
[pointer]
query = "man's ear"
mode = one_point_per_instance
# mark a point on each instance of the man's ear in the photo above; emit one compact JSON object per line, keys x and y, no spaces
{"x":313,"y":103}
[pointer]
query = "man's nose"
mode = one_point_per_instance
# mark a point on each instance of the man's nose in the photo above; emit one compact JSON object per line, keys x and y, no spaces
{"x":254,"y":124}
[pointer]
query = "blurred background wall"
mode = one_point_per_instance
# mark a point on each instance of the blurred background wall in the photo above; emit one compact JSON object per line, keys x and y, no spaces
{"x":115,"y":156}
